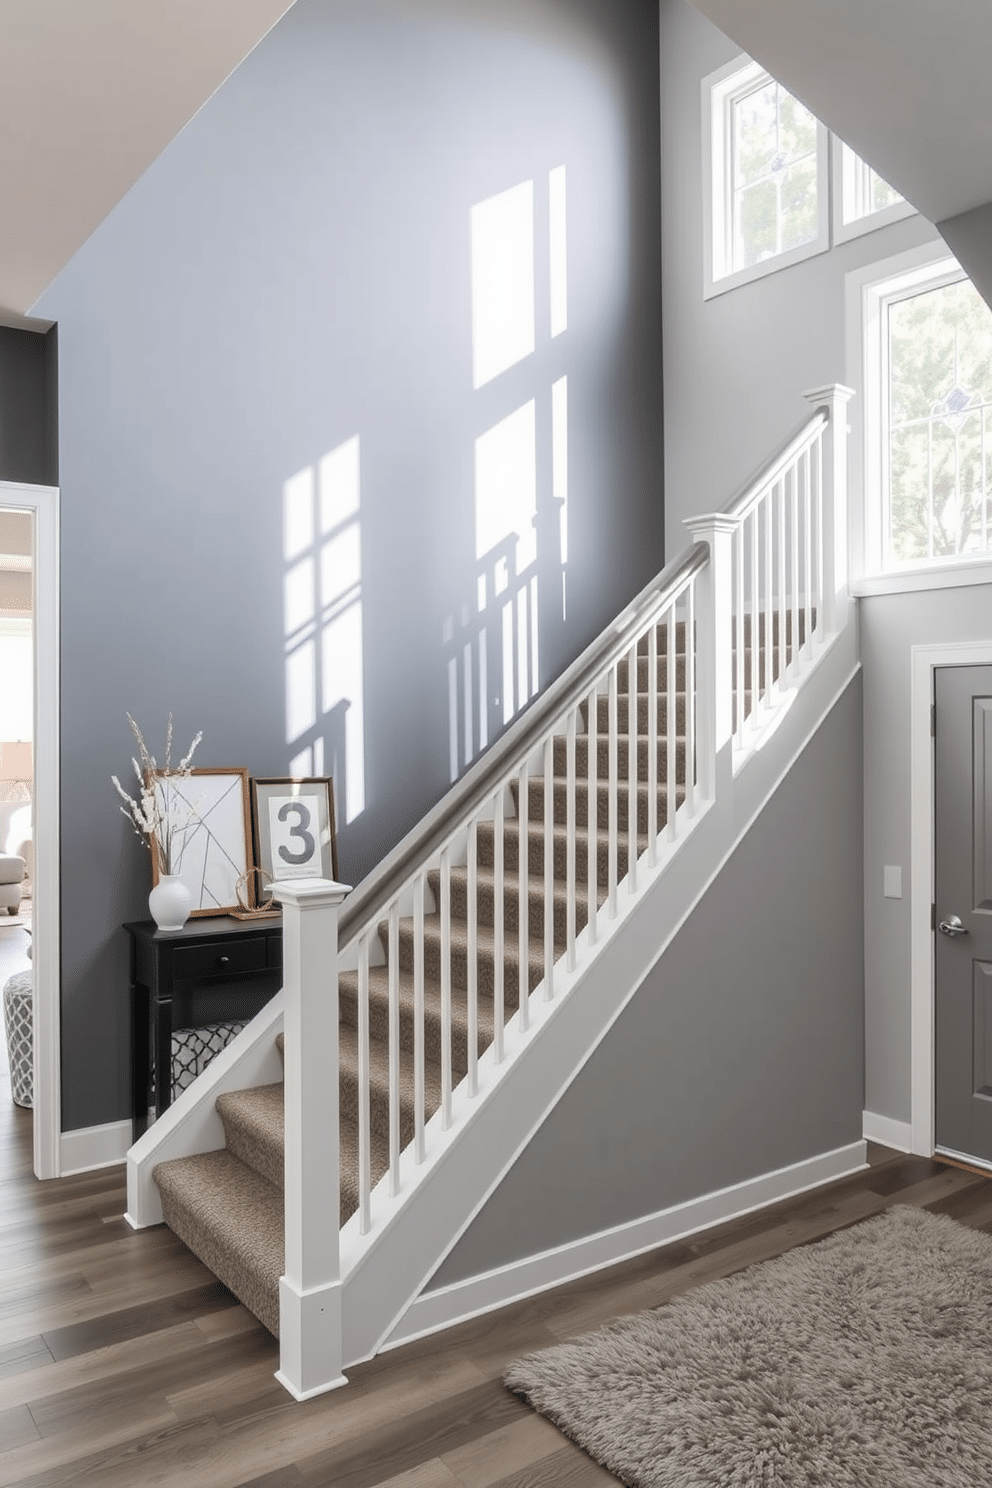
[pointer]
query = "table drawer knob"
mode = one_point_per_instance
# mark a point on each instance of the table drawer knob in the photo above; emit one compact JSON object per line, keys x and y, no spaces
{"x":224,"y":960}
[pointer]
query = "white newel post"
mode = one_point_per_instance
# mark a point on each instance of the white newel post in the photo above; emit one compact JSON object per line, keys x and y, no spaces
{"x":714,"y":651}
{"x":310,"y":1291}
{"x":833,"y":496}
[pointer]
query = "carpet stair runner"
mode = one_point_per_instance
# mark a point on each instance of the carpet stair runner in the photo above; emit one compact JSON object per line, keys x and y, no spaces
{"x":227,"y":1206}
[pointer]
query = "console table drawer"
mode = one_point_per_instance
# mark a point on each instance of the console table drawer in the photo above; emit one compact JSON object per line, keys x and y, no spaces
{"x":227,"y":959}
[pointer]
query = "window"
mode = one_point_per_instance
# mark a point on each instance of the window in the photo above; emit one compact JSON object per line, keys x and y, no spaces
{"x":862,"y":200}
{"x":927,"y":339}
{"x":767,"y":192}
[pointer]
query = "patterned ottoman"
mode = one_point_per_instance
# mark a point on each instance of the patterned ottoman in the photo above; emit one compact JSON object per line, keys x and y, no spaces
{"x":18,"y":1017}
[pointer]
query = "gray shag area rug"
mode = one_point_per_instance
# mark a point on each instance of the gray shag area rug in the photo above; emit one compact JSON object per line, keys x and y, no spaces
{"x":863,"y":1361}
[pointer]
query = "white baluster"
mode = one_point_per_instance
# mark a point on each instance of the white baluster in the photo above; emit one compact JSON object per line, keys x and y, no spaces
{"x":592,"y":834}
{"x":523,"y":912}
{"x":445,"y":988}
{"x":418,"y":1019}
{"x":499,"y":1001}
{"x":671,"y":724}
{"x":394,"y":1047}
{"x":549,"y":869}
{"x":740,"y":638}
{"x":611,"y":801}
{"x":633,"y":736}
{"x":794,"y":567}
{"x":765,"y":652}
{"x":310,"y":1291}
{"x":570,"y":788}
{"x":653,"y":794}
{"x":364,"y":1093}
{"x":808,"y":547}
{"x":783,"y":598}
{"x":472,"y":951}
{"x":690,"y":697}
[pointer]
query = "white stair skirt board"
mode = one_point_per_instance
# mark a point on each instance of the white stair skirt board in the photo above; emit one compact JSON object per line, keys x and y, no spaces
{"x":467,"y":1299}
{"x":92,"y":1147}
{"x":888,"y":1132}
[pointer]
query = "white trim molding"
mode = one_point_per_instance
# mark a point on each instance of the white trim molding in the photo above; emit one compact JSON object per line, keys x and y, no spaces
{"x":923,"y":660}
{"x":92,"y":1147}
{"x":462,"y":1300}
{"x":887,"y":1132}
{"x":42,"y":502}
{"x":845,"y":169}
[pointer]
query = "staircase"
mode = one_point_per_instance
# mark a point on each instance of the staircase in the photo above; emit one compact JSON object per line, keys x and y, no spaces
{"x":614,"y":770}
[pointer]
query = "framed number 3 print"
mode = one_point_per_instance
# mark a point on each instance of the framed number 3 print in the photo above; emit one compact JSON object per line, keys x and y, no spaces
{"x":293,"y":828}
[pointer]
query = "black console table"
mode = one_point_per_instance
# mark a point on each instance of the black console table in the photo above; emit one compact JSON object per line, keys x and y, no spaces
{"x":213,"y":970}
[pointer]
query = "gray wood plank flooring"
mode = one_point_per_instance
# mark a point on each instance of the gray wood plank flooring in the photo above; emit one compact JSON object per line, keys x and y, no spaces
{"x":123,"y":1362}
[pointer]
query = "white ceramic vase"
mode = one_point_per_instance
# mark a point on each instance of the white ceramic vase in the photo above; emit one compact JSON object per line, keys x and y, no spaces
{"x":169,"y":902}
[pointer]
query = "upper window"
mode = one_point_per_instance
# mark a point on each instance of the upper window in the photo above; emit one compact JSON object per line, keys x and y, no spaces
{"x":928,"y":418}
{"x":862,"y":199}
{"x":767,"y":194}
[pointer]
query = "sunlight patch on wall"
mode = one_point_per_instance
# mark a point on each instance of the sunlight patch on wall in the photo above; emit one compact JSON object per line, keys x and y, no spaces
{"x":558,"y":253}
{"x":502,"y":236}
{"x":506,"y":490}
{"x":325,"y":691}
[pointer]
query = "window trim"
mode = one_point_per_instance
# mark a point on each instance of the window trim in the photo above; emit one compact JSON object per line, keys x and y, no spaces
{"x":843,"y":231}
{"x":720,"y":89}
{"x":867,"y":291}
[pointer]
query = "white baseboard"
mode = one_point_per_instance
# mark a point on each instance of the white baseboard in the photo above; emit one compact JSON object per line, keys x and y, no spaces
{"x":432,"y":1311}
{"x":890,"y":1133}
{"x":94,"y":1147}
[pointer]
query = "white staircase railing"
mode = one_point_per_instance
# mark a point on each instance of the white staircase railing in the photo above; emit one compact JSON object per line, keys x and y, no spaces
{"x":767,"y":575}
{"x":753,"y":602}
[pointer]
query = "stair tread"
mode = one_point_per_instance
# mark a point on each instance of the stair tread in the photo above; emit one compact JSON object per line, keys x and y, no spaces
{"x":232,"y":1219}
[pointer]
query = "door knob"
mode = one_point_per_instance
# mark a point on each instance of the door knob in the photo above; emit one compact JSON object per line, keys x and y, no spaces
{"x":952,"y":926}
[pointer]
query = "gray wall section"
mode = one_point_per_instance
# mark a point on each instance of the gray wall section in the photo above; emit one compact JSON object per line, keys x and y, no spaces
{"x":890,"y":626}
{"x":293,"y":271}
{"x":742,"y":1052}
{"x":28,"y":426}
{"x":969,"y":237}
{"x":737,"y":364}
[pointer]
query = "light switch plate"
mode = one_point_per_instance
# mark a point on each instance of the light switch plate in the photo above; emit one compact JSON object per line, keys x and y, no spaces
{"x":892,"y":882}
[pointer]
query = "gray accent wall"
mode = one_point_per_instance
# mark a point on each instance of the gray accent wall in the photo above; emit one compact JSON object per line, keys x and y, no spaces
{"x":28,"y":414}
{"x":736,"y":365}
{"x":890,"y":626}
{"x":293,"y":273}
{"x":742,"y":1051}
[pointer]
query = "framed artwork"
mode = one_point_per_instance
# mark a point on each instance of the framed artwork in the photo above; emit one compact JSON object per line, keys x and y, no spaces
{"x":294,"y":834}
{"x":215,"y":851}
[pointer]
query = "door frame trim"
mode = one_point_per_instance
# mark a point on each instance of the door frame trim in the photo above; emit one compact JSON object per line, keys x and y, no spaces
{"x":923,"y":661}
{"x":43,"y":504}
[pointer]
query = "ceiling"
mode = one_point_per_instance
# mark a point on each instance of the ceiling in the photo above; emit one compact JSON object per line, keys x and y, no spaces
{"x":903,"y":82}
{"x":91,"y":91}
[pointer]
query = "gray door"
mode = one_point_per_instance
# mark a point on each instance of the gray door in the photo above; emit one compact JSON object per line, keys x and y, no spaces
{"x":963,"y":899}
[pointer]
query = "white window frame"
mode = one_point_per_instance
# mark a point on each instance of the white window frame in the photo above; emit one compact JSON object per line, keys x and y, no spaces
{"x":868,"y":293}
{"x":720,"y":91}
{"x":843,"y":162}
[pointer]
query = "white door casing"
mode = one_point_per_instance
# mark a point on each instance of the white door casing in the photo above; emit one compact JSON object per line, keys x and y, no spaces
{"x":42,"y":502}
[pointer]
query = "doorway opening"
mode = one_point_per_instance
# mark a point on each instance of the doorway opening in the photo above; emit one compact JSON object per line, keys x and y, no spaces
{"x":29,"y":808}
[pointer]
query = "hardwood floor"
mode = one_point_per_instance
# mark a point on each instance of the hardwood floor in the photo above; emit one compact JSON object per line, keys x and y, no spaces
{"x":123,"y":1363}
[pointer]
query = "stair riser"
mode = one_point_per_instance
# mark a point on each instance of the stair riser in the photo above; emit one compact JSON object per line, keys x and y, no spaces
{"x":379,"y":1102}
{"x":601,"y":754}
{"x":379,"y":1023}
{"x":486,"y":901}
{"x":641,"y":714}
{"x":775,"y":627}
{"x":762,"y":666}
{"x":644,"y":671}
{"x":535,"y":852}
{"x":459,"y":963}
{"x":560,"y":806}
